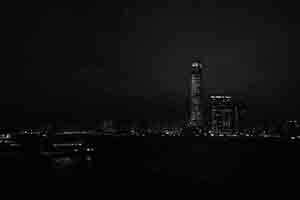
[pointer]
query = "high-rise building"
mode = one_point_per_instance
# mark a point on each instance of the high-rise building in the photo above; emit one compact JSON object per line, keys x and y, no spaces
{"x":197,"y":100}
{"x":224,"y":113}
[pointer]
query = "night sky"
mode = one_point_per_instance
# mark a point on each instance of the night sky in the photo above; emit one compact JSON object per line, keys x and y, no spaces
{"x":88,"y":61}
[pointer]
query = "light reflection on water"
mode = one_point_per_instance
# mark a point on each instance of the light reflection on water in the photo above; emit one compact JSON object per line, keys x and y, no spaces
{"x":63,"y":162}
{"x":71,"y":161}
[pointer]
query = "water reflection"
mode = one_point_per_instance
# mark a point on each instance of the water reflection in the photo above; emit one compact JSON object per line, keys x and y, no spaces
{"x":78,"y":163}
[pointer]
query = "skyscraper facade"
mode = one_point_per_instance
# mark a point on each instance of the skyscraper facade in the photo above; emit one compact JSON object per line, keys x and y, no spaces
{"x":224,"y":113}
{"x":196,"y":93}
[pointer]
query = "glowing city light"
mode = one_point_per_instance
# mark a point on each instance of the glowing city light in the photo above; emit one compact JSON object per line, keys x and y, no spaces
{"x":195,"y":64}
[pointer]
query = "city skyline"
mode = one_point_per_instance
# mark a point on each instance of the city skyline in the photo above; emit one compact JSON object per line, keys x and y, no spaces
{"x":90,"y":61}
{"x":209,"y":89}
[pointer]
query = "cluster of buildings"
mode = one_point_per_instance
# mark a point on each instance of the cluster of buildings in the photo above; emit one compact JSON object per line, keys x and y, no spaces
{"x":215,"y":113}
{"x":224,"y":114}
{"x":219,"y":113}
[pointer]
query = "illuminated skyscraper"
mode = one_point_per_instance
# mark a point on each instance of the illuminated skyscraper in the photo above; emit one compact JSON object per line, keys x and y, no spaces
{"x":197,"y":100}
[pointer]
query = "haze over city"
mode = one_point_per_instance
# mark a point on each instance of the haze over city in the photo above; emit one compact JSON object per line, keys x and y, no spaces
{"x":86,"y":61}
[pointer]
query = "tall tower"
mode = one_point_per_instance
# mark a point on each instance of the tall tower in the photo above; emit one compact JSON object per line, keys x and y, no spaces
{"x":197,"y":99}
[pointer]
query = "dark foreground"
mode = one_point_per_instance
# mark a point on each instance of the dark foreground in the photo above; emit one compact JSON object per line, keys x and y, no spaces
{"x":148,"y":164}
